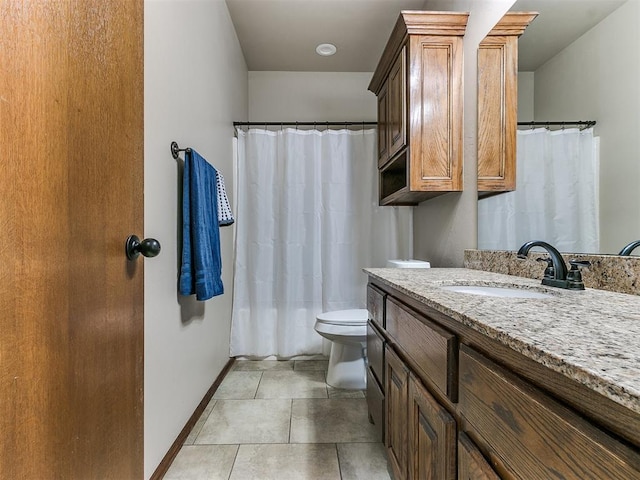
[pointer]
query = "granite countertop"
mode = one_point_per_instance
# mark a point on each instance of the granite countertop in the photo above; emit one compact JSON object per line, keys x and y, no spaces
{"x":591,"y":336}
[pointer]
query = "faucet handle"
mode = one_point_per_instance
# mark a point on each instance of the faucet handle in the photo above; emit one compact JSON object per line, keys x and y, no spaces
{"x":579,"y":263}
{"x":574,"y":276}
{"x":549,"y":272}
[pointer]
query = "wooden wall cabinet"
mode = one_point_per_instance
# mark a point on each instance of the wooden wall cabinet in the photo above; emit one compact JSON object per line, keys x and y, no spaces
{"x":418,"y":83}
{"x":498,"y":104}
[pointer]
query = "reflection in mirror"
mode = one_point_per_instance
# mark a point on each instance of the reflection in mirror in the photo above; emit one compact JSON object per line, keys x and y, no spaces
{"x":579,"y":60}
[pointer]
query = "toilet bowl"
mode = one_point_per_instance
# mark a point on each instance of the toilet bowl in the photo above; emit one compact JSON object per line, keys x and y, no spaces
{"x":347,"y":331}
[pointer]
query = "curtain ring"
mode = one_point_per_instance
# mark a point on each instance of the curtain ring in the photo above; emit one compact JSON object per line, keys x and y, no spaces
{"x":296,"y":126}
{"x":281,"y":127}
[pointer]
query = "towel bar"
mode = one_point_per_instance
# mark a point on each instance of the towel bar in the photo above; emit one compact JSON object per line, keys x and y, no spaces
{"x":175,"y":150}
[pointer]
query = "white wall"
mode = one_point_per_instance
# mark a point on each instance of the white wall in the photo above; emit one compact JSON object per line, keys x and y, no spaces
{"x":598,"y":78}
{"x":526,"y":96}
{"x":446,"y":225}
{"x":195,"y":87}
{"x":311,"y":96}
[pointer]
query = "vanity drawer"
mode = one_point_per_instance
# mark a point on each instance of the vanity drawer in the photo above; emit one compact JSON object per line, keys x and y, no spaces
{"x":375,"y":352}
{"x":375,"y":305}
{"x":375,"y":403}
{"x":530,"y":434}
{"x":432,"y":349}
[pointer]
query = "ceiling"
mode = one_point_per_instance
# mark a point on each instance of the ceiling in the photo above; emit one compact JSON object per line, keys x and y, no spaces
{"x":559,"y":23}
{"x":281,"y":35}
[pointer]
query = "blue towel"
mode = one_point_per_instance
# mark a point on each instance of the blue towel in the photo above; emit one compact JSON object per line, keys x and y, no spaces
{"x":201,"y":262}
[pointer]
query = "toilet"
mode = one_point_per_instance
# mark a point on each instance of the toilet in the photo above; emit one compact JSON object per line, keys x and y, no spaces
{"x":347,"y":331}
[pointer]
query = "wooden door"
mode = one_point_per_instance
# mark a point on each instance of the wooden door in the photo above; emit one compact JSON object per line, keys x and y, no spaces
{"x":396,"y":396}
{"x":71,"y":306}
{"x":432,"y":436}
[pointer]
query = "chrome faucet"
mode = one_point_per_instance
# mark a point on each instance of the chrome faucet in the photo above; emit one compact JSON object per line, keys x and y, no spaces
{"x":626,"y":251}
{"x":556,"y":274}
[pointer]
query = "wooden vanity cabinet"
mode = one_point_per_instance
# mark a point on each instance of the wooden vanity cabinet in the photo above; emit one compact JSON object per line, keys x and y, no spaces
{"x":455,"y":408}
{"x":418,"y":83}
{"x":498,"y":104}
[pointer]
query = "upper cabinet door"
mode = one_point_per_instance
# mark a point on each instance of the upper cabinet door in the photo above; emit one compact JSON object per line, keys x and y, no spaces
{"x":383,"y":125}
{"x":397,"y":105}
{"x":419,"y":87}
{"x":498,"y":104}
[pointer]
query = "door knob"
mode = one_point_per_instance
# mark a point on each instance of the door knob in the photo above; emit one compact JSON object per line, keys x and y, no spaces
{"x":149,"y":247}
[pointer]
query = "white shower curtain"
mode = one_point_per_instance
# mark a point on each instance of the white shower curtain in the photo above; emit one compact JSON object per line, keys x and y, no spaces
{"x":556,"y":196}
{"x":308,"y":221}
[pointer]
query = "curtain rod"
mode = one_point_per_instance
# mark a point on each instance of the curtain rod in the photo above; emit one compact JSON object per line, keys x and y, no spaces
{"x":583,"y":123}
{"x":300,"y":124}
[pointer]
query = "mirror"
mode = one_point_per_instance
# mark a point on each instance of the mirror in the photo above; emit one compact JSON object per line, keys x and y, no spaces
{"x":580,"y":60}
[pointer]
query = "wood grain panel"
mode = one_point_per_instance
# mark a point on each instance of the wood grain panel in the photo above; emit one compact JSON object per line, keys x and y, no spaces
{"x":383,"y":125}
{"x":431,"y":348}
{"x":471,"y":463}
{"x":375,"y":404}
{"x":497,"y":113}
{"x":375,"y":352}
{"x":397,"y":126}
{"x":375,"y":305}
{"x":71,"y":115}
{"x":34,"y":398}
{"x":435,"y":101}
{"x":396,"y":398}
{"x":498,"y":103}
{"x":532,"y":435}
{"x":432,"y":436}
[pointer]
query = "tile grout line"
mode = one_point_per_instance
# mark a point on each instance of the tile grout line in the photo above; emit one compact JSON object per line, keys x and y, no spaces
{"x":235,"y":457}
{"x":290,"y":419}
{"x":255,"y":394}
{"x":338,"y":457}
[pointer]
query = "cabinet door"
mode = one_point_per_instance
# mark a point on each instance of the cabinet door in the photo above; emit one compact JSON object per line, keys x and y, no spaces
{"x":396,"y":397}
{"x":432,"y":436}
{"x":497,"y":113}
{"x":498,"y":103}
{"x":383,"y":119}
{"x":375,"y":352}
{"x":471,"y":463}
{"x":435,"y":112}
{"x":375,"y":405}
{"x":397,"y":126}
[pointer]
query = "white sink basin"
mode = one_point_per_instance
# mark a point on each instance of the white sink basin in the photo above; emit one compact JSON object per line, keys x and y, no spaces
{"x":506,"y":292}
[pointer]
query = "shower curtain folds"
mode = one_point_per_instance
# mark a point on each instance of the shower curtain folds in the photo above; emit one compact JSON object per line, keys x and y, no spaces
{"x":556,"y":197}
{"x":308,"y":222}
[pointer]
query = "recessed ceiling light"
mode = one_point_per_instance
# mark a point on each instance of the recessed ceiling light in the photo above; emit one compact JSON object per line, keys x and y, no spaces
{"x":326,"y":49}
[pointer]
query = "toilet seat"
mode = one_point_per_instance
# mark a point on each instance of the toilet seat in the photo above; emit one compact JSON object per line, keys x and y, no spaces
{"x":354,"y":317}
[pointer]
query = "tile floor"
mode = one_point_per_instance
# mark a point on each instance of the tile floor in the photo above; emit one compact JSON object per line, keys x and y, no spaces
{"x":280,"y":420}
